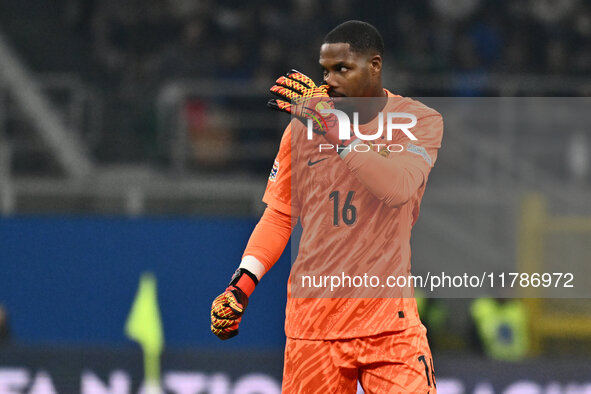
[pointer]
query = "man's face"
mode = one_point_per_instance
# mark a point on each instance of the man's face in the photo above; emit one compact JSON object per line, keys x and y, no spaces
{"x":348,"y":73}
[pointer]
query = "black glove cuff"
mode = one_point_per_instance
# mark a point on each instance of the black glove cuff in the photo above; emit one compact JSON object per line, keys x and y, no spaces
{"x":242,"y":271}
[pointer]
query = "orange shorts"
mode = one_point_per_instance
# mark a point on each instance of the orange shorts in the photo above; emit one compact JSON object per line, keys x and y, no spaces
{"x":395,"y":362}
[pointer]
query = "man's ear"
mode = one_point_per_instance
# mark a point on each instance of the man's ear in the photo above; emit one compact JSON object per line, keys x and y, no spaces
{"x":375,"y":64}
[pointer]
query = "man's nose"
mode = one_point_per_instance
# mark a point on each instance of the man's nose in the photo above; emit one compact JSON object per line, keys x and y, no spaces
{"x":330,"y":80}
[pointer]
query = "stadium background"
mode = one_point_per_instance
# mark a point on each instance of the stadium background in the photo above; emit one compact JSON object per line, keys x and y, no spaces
{"x":134,"y":137}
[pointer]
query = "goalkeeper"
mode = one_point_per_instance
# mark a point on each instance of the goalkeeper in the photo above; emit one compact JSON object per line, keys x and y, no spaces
{"x":357,"y":208}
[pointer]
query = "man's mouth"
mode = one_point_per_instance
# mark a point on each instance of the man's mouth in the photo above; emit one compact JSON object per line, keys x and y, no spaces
{"x":336,"y":94}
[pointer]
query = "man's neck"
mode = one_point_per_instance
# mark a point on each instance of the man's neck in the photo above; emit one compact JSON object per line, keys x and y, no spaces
{"x":369,"y":108}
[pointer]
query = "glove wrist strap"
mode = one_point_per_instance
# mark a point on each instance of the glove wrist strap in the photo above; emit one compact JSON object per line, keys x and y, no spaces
{"x":244,"y":280}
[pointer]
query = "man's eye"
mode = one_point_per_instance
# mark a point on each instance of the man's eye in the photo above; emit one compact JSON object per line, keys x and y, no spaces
{"x":344,"y":69}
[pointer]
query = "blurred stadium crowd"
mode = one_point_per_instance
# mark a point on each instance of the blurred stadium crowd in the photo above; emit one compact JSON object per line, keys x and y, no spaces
{"x":126,"y":50}
{"x":257,"y":40}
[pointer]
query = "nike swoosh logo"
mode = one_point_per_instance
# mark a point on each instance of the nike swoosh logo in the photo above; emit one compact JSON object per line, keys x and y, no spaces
{"x":311,"y":163}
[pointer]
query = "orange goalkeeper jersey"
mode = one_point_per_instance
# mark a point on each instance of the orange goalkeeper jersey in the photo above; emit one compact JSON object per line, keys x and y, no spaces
{"x":350,"y":231}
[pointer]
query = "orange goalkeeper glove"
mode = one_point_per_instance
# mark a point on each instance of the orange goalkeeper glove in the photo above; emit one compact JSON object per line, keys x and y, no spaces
{"x":302,"y":98}
{"x":228,"y":307}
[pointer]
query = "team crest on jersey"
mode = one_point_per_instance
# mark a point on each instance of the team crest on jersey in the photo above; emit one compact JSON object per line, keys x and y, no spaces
{"x":273,"y":174}
{"x":419,"y":150}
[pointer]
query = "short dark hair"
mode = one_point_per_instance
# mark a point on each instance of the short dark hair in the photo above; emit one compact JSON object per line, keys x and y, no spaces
{"x":361,"y":37}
